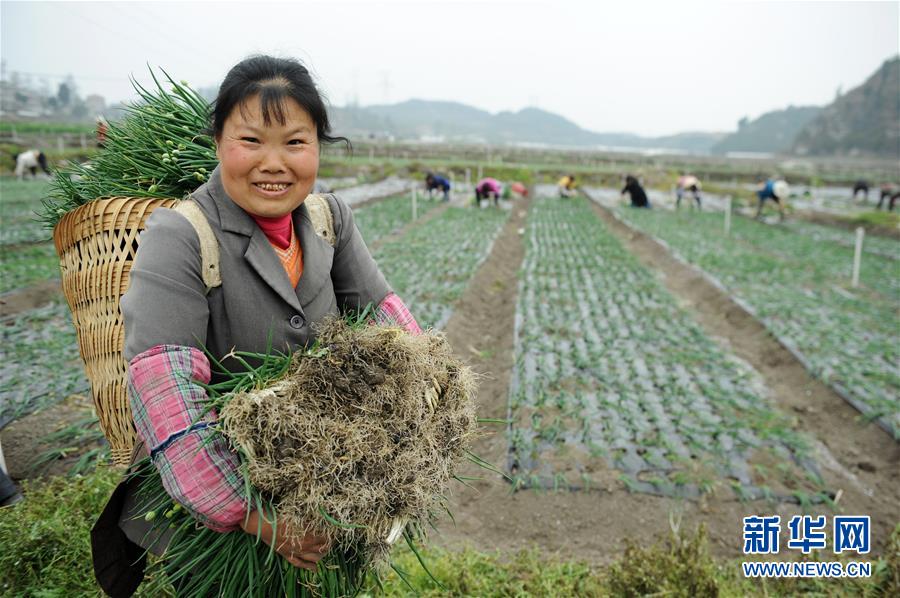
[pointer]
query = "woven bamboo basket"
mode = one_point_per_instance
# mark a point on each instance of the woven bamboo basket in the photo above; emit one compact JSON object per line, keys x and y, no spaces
{"x":96,"y":244}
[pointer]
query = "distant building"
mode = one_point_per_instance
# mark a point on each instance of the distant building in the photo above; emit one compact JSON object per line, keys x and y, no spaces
{"x":19,"y":101}
{"x":96,"y":104}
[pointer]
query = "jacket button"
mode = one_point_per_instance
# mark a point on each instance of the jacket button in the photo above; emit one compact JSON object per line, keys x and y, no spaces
{"x":296,"y":322}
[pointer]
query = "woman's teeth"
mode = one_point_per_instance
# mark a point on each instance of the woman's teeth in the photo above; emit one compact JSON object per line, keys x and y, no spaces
{"x":272,"y":186}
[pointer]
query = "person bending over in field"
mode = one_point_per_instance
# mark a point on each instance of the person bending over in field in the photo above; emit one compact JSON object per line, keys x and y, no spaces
{"x":30,"y":161}
{"x":636,"y":193}
{"x":862,"y":186}
{"x":777,"y":191}
{"x":566,"y":186}
{"x":488,"y":188}
{"x":436,"y":182}
{"x":890,"y":192}
{"x":690,"y":183}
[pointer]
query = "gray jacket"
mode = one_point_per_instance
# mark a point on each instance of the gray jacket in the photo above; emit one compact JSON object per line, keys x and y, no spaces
{"x":255,"y":305}
{"x":166,"y":301}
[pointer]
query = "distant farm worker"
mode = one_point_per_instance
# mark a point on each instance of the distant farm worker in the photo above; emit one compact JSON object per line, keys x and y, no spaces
{"x":436,"y":182}
{"x":488,"y":188}
{"x":891,"y":192}
{"x":566,"y":186}
{"x":102,"y":128}
{"x":30,"y":161}
{"x":635,"y":192}
{"x":861,"y":185}
{"x":690,"y":183}
{"x":775,"y":189}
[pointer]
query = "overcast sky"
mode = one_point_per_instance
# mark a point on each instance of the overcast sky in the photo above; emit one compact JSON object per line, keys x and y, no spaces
{"x":650,"y":68}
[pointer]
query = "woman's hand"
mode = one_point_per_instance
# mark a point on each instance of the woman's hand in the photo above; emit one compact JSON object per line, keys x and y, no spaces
{"x":305,"y":552}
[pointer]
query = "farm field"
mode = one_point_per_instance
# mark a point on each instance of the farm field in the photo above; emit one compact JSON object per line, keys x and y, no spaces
{"x":610,"y":374}
{"x":880,"y":246}
{"x":26,"y":247}
{"x":387,"y":216}
{"x":586,"y":445}
{"x":18,"y":202}
{"x":39,"y":361}
{"x":475,"y":371}
{"x":799,"y":285}
{"x":430,"y":266}
{"x":27,"y":264}
{"x":625,"y":413}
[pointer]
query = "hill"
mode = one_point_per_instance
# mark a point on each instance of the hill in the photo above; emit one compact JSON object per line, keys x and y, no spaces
{"x":453,"y":121}
{"x":865,"y":121}
{"x":772,"y":132}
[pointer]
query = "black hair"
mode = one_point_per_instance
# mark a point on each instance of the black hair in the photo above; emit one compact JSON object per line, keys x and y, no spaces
{"x":274,"y":80}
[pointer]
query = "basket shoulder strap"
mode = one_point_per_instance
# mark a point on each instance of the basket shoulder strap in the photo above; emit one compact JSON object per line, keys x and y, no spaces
{"x":321,"y":217}
{"x":209,"y":246}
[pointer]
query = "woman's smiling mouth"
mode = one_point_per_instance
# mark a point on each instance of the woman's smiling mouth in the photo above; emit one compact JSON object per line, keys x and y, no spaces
{"x":272,"y":189}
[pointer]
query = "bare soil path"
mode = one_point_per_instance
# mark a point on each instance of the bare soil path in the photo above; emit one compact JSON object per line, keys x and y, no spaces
{"x":36,"y":295}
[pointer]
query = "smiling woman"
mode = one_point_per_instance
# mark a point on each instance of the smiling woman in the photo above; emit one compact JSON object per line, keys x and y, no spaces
{"x":268,"y":170}
{"x":279,"y":279}
{"x":268,"y":124}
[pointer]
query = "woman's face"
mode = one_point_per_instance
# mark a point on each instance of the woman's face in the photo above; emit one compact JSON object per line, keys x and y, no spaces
{"x":268,"y":170}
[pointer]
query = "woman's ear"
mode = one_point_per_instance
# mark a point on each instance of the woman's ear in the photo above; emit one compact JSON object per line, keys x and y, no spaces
{"x":218,"y":157}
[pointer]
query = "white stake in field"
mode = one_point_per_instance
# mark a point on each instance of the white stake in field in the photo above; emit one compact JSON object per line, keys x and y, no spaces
{"x":727,"y":215}
{"x":857,"y":255}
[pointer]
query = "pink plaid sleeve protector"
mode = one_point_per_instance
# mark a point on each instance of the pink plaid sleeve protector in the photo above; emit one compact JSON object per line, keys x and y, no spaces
{"x":197,"y":467}
{"x":392,"y":310}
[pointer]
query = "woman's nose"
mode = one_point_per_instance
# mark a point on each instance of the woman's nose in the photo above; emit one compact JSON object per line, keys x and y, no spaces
{"x":272,"y":160}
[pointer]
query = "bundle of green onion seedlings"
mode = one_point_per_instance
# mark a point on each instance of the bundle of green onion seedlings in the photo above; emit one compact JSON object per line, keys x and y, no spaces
{"x":162,"y":147}
{"x":355,"y":439}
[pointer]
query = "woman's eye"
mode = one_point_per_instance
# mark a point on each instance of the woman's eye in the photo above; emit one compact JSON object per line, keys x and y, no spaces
{"x":297,"y":142}
{"x":250,"y":139}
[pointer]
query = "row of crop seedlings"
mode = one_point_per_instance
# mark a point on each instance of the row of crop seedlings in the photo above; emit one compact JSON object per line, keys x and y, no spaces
{"x":613,"y":381}
{"x":19,"y":200}
{"x":39,"y":360}
{"x":431,"y":265}
{"x":27,"y":254}
{"x":881,"y":246}
{"x":799,"y":286}
{"x":383,"y":217}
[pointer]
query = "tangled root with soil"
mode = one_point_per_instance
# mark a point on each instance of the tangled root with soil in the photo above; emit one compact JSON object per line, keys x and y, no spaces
{"x":368,"y":428}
